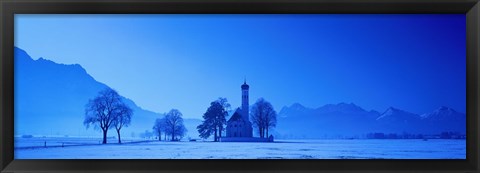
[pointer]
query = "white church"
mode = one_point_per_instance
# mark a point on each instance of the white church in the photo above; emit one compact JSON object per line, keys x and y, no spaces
{"x":239,"y":128}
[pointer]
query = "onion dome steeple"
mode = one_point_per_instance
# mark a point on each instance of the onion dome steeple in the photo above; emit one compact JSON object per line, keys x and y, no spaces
{"x":245,"y":85}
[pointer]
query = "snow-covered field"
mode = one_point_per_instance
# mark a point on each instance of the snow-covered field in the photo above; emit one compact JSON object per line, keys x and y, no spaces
{"x":281,"y":149}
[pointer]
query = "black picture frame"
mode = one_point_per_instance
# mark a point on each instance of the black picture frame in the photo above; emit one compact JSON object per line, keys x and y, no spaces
{"x":10,"y":7}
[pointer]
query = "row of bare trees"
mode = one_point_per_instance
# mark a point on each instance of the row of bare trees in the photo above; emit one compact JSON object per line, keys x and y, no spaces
{"x":106,"y":111}
{"x":170,"y":124}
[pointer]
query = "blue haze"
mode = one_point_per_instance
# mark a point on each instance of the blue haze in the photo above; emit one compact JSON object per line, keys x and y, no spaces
{"x":413,"y":62}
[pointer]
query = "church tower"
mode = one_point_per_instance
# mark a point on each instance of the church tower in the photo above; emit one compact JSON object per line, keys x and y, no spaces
{"x":245,"y":105}
{"x":239,"y":125}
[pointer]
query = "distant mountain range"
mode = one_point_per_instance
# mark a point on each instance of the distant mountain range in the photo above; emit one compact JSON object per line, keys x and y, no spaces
{"x":333,"y":120}
{"x":51,"y":98}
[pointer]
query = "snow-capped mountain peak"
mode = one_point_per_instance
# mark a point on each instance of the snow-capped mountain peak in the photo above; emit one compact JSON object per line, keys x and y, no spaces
{"x":341,"y":107}
{"x":443,"y":113}
{"x":293,"y":109}
{"x":394,"y":113}
{"x":297,"y":106}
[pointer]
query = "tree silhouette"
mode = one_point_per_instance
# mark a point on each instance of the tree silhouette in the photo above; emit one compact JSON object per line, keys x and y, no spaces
{"x":205,"y":129}
{"x":174,"y":122}
{"x":101,"y":110}
{"x":159,"y":127}
{"x":221,"y":118}
{"x":214,"y":119}
{"x":180,"y":132}
{"x":122,"y":118}
{"x":263,"y":117}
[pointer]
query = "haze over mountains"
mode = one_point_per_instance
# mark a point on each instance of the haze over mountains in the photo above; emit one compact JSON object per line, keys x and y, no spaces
{"x":333,"y":120}
{"x":51,"y":98}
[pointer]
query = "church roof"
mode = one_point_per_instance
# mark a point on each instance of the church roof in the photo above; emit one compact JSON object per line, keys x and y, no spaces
{"x":236,"y":117}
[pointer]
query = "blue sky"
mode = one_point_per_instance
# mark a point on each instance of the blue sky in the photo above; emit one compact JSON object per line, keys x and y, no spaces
{"x":412,"y":62}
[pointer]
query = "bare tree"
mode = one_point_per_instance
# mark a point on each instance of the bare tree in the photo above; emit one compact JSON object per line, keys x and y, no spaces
{"x":270,"y":118}
{"x":180,"y":132}
{"x":263,"y":117}
{"x":159,"y":127}
{"x":257,"y":117}
{"x":174,"y":122}
{"x":122,"y":118}
{"x":100,"y":111}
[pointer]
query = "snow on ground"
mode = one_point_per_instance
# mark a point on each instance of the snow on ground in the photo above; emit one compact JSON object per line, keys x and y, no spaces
{"x":286,"y":149}
{"x":66,"y":141}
